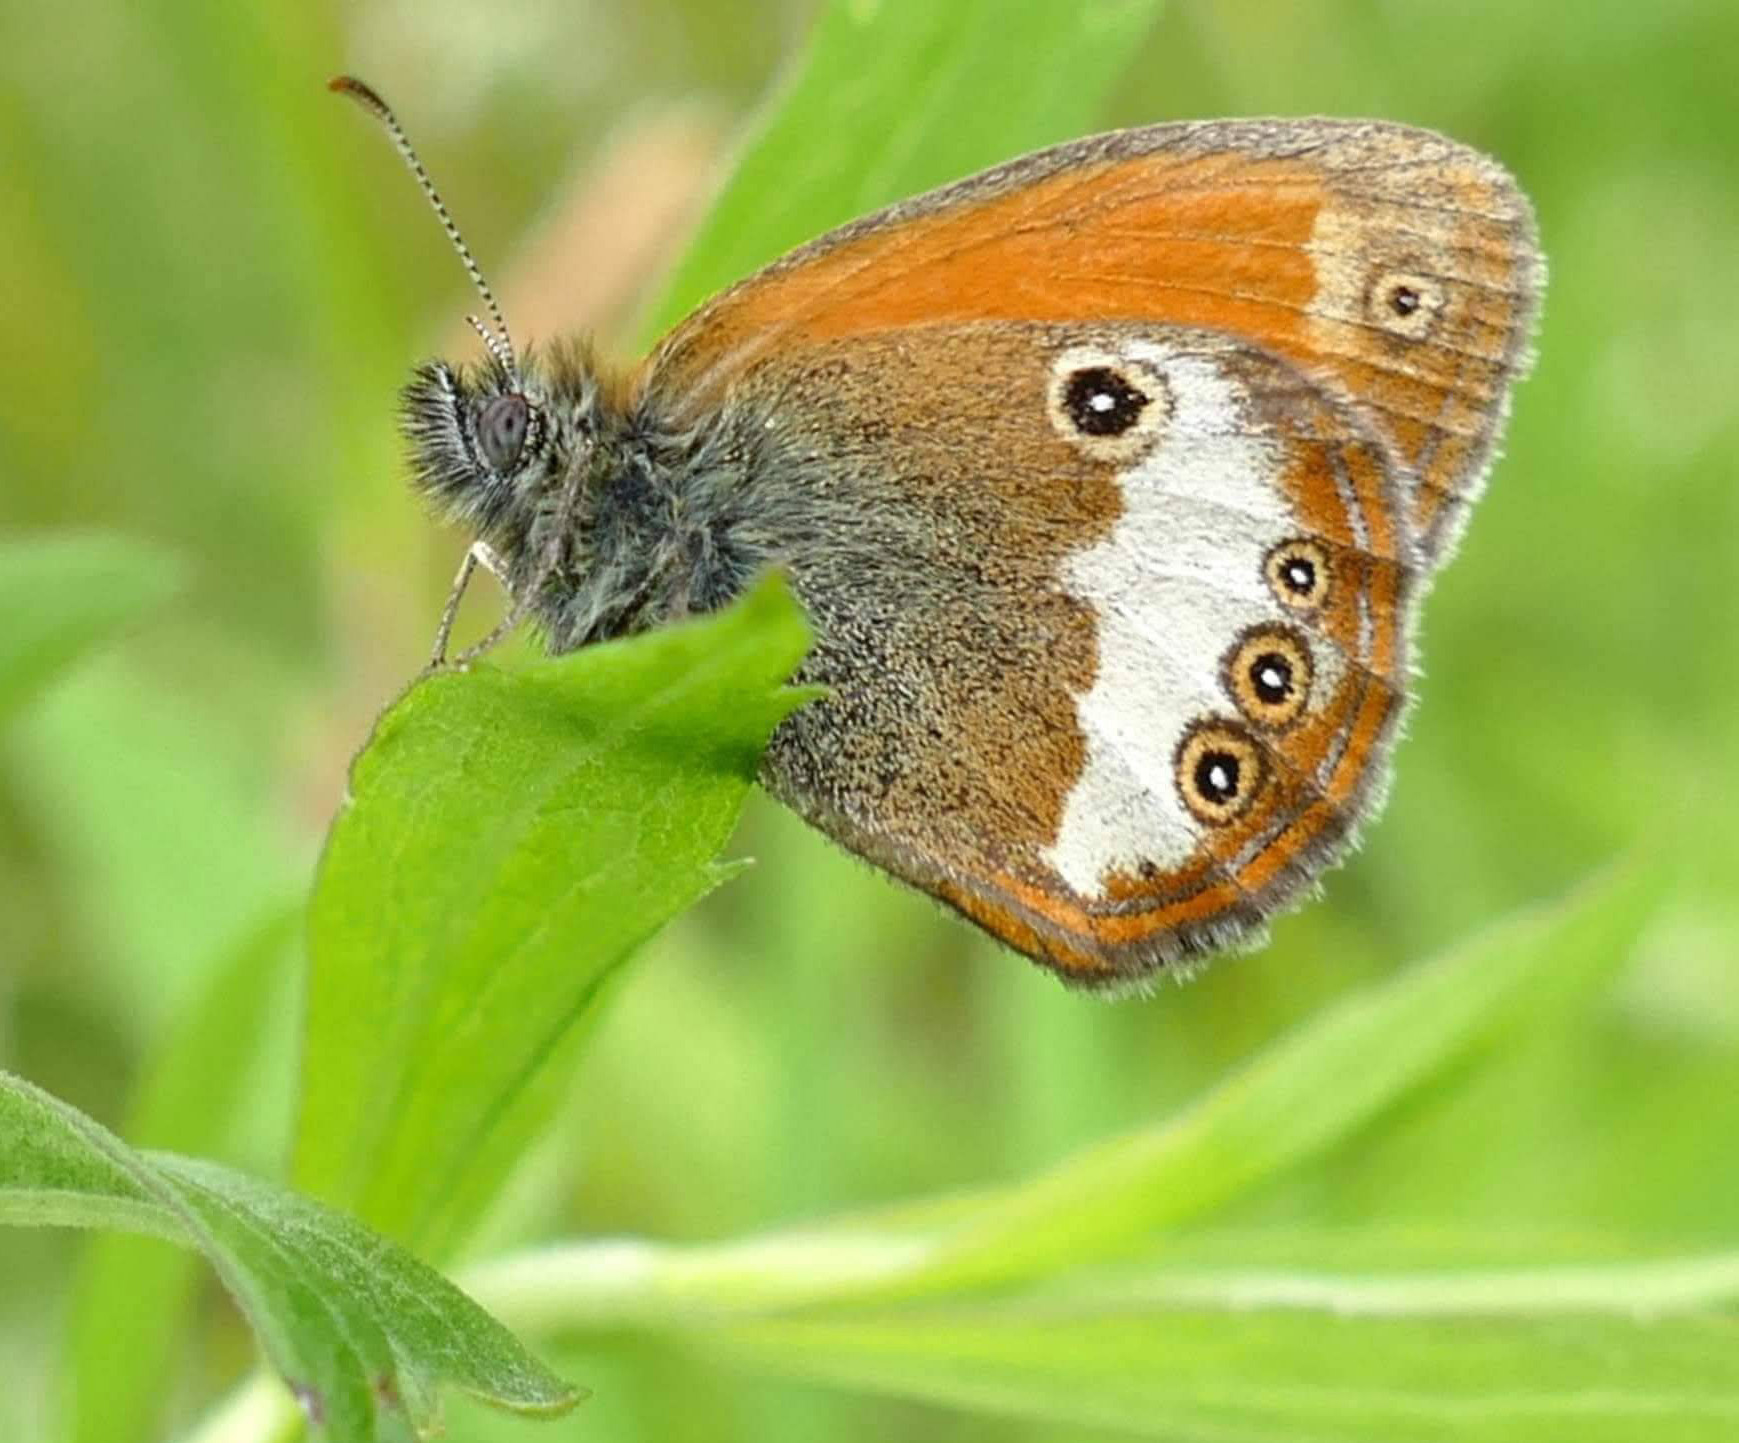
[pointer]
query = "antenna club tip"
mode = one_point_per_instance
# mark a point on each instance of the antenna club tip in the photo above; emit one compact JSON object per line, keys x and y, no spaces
{"x":502,"y":348}
{"x":358,"y":91}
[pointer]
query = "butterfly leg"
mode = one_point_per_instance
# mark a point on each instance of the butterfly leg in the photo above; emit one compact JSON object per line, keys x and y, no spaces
{"x":549,"y":562}
{"x":449,"y":612}
{"x":479,"y":553}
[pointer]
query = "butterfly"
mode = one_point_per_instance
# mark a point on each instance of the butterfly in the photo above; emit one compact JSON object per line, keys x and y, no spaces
{"x":1111,"y":480}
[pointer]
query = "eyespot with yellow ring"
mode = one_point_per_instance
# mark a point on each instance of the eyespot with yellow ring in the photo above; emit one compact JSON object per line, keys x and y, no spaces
{"x":1113,"y":407}
{"x":1219,"y":769}
{"x":1405,"y":303}
{"x":1268,"y":673}
{"x":1298,"y":574}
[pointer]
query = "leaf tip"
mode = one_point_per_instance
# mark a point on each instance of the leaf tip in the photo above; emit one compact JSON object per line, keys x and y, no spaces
{"x":770,"y":602}
{"x":311,"y":1401}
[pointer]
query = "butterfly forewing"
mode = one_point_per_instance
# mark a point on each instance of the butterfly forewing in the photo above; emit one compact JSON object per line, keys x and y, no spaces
{"x":1392,"y":263}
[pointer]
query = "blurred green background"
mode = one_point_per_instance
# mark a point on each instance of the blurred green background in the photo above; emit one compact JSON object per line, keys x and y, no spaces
{"x":217,"y":276}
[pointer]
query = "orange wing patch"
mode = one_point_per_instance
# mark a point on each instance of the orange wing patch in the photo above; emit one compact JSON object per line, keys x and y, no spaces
{"x":1392,"y":261}
{"x":1157,"y":238}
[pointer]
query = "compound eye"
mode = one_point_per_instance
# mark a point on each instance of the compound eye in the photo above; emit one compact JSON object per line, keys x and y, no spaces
{"x":501,"y":430}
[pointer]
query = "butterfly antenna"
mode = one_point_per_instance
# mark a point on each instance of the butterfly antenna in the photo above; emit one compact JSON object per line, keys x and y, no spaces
{"x":499,"y":343}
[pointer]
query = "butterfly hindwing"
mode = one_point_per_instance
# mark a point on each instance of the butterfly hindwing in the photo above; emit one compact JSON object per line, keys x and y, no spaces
{"x":1113,"y":621}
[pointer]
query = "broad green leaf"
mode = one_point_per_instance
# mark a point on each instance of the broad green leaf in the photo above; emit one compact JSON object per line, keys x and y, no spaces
{"x":132,"y":1296}
{"x":510,"y":839}
{"x":360,"y":1330}
{"x":63,"y":595}
{"x":1571,"y":1355}
{"x":897,"y":96}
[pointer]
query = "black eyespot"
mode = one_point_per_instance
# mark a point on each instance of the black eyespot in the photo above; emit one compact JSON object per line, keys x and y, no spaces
{"x":1219,"y":770}
{"x":1100,"y":402}
{"x":1271,"y":677}
{"x":1405,"y":303}
{"x":501,"y":430}
{"x":1217,"y":776}
{"x":1298,"y":574}
{"x":1268,"y":674}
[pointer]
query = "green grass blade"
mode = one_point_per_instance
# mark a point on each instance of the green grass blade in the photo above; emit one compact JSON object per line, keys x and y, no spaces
{"x":61,"y":596}
{"x":1307,"y":1094}
{"x":362,"y":1331}
{"x":1546,"y":1356}
{"x":510,"y":840}
{"x":853,"y":132}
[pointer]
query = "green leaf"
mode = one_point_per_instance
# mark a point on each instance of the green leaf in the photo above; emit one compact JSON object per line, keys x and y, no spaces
{"x":64,"y":595}
{"x":1554,"y":1355}
{"x":1303,"y":1096}
{"x":361,"y":1331}
{"x":131,"y":1296}
{"x":854,"y":132}
{"x":510,"y":840}
{"x":113,"y":749}
{"x":1290,"y":1106}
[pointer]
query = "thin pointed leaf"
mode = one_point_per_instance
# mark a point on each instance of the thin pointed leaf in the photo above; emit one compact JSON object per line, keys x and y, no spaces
{"x":63,"y":595}
{"x":1547,"y":1355}
{"x":1307,"y":1094}
{"x":852,"y":132}
{"x":1304,"y":1096}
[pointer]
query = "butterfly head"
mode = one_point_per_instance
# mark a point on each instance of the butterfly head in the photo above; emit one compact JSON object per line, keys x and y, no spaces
{"x":489,"y":443}
{"x":601,"y":521}
{"x":598,"y":512}
{"x":494,"y":448}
